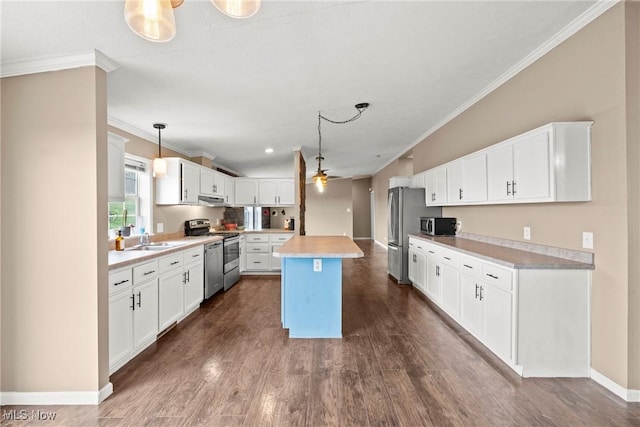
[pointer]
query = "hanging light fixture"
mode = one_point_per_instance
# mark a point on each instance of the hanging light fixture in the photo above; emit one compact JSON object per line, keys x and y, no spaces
{"x":237,"y":8}
{"x":320,"y":178}
{"x":154,"y":20}
{"x":159,"y":164}
{"x":151,"y":19}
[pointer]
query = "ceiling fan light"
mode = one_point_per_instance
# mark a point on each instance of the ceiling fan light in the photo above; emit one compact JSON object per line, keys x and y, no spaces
{"x":152,"y":20}
{"x":237,"y":8}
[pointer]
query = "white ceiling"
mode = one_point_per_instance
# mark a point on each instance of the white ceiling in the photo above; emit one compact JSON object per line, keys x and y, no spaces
{"x":230,"y":88}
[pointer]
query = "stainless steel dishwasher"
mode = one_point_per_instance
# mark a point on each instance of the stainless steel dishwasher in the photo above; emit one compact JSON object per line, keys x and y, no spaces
{"x":213,"y":268}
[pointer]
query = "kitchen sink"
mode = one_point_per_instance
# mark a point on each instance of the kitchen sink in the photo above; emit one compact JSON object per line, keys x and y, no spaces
{"x":159,"y":246}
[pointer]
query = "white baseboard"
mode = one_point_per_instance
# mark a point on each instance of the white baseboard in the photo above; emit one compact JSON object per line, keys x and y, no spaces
{"x":381,"y":244}
{"x":362,"y":238}
{"x":56,"y":397}
{"x":627,"y":395}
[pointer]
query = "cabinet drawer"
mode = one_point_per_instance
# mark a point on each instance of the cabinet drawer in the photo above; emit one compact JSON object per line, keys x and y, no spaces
{"x":449,"y":258}
{"x":280,"y":238}
{"x":193,"y":255}
{"x":258,"y":261}
{"x":497,"y":276}
{"x":145,"y":272}
{"x":429,"y":250}
{"x":119,"y":280}
{"x":471,"y":266}
{"x":170,"y":262}
{"x":253,"y":248}
{"x":257,"y":238}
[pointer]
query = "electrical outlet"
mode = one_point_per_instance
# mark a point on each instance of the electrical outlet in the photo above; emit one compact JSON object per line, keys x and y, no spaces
{"x":159,"y":227}
{"x":527,"y":233}
{"x":458,"y":226}
{"x":587,"y":240}
{"x":317,"y":264}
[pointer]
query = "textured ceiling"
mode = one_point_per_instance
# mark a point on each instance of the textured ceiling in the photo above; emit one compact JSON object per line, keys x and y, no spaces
{"x":231,"y":88}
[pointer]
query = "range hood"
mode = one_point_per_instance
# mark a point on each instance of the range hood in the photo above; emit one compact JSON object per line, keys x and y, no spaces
{"x":211,"y":201}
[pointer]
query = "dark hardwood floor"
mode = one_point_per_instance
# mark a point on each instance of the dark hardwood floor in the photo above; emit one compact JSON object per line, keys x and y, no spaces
{"x":400,"y":363}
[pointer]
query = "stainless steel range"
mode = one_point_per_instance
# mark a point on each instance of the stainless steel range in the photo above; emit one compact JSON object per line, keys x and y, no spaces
{"x":230,"y":256}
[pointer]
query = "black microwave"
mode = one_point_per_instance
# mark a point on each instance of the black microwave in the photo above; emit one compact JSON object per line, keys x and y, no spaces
{"x":438,"y":226}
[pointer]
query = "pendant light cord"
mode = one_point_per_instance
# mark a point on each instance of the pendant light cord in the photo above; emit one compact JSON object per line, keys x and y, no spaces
{"x":359,"y":107}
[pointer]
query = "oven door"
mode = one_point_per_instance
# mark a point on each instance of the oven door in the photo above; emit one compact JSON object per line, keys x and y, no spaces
{"x":231,"y":253}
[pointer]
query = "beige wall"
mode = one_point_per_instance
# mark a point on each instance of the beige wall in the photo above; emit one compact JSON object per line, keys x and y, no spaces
{"x":54,"y":275}
{"x":172,"y":217}
{"x":361,"y":208}
{"x":330,"y":213}
{"x":581,"y":79}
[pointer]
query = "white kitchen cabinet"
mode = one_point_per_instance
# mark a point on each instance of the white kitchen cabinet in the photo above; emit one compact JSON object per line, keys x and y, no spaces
{"x":418,"y":265}
{"x":145,"y":313}
{"x":436,"y":186}
{"x":171,"y":298}
{"x":258,"y":252}
{"x":419,"y":180}
{"x":276,"y":192}
{"x":212,"y":183}
{"x":467,"y":180}
{"x":115,"y":161}
{"x":229,"y":190}
{"x":276,"y":240}
{"x":243,"y":253}
{"x":548,"y":164}
{"x":246,"y":191}
{"x":193,"y":280}
{"x":120,"y":329}
{"x":181,"y":184}
{"x":536,"y":320}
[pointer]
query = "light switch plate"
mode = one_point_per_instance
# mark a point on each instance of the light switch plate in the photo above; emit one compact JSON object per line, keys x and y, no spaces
{"x":587,"y":240}
{"x":527,"y":233}
{"x":317,"y":264}
{"x":160,"y":227}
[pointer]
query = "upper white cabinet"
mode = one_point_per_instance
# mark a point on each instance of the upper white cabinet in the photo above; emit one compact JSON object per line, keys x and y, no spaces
{"x":181,"y":185}
{"x":229,"y":190}
{"x":276,"y":192}
{"x":246,"y":191}
{"x":436,"y":186}
{"x":212,"y":183}
{"x":115,"y":157}
{"x":549,"y":164}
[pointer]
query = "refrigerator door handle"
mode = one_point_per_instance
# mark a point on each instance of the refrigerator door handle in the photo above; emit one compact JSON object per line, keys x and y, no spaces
{"x":393,"y":248}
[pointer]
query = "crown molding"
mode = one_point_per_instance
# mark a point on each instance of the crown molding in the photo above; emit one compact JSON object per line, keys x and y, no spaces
{"x":117,"y":123}
{"x":202,"y":153}
{"x":600,"y":7}
{"x":57,"y":63}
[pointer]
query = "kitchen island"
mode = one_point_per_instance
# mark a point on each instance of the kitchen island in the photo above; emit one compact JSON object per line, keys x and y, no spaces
{"x":311,"y":284}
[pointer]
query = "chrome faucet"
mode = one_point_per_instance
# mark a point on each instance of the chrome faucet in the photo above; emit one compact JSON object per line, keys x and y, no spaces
{"x":145,"y":239}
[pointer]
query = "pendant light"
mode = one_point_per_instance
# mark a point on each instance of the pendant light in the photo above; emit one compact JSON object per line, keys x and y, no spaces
{"x":159,"y":164}
{"x":237,"y":8}
{"x":320,"y":178}
{"x":152,"y":20}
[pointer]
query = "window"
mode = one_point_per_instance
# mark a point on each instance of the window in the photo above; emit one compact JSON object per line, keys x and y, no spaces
{"x":136,"y":209}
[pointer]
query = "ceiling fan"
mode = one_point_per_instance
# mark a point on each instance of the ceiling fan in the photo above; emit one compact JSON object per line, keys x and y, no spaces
{"x":321,"y":178}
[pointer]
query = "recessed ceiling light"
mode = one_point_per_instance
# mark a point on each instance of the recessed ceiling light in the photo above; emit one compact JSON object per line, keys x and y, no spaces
{"x":268,"y":150}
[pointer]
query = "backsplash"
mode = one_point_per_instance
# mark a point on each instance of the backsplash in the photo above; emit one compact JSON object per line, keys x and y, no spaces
{"x":234,"y":215}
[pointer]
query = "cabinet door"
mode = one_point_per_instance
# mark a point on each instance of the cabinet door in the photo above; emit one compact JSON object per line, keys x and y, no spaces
{"x":454,"y":182}
{"x":258,"y":262}
{"x":120,"y":327}
{"x":276,"y":262}
{"x":268,"y":192}
{"x":413,"y":263}
{"x":218,"y":184}
{"x":194,"y":287}
{"x":500,"y":173}
{"x":450,"y":290}
{"x":243,"y":255}
{"x":229,"y":190}
{"x":470,"y":304}
{"x":531,"y":167}
{"x":206,"y":182}
{"x":246,"y":191}
{"x":286,"y":192}
{"x":190,"y":183}
{"x":421,"y":271}
{"x":170,"y":294}
{"x":474,"y":178}
{"x":436,"y":186}
{"x":496,"y":319}
{"x":145,"y":313}
{"x":434,"y":290}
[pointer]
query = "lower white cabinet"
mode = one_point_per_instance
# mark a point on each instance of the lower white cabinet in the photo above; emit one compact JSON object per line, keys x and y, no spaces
{"x":133,"y":312}
{"x":260,"y":248}
{"x":148,"y":297}
{"x":535,"y":320}
{"x":417,"y":266}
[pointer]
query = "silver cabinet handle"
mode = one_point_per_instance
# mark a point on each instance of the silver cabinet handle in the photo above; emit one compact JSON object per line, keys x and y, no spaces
{"x":437,"y":271}
{"x":460,"y":193}
{"x":492,"y":276}
{"x":513,"y":187}
{"x":481,"y":293}
{"x":468,"y":266}
{"x":133,"y":302}
{"x":139,"y":299}
{"x":477,"y":288}
{"x":121,"y":282}
{"x":175,"y":262}
{"x":447,"y":258}
{"x":508,"y":188}
{"x":148,"y":272}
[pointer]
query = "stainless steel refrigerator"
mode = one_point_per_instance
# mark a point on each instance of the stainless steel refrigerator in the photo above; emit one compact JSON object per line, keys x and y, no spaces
{"x":405,"y":208}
